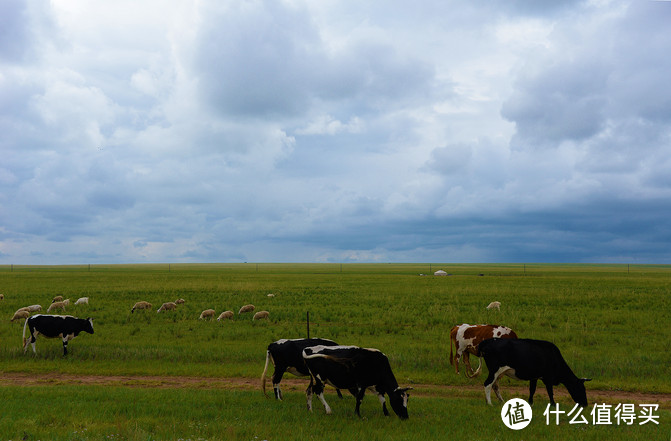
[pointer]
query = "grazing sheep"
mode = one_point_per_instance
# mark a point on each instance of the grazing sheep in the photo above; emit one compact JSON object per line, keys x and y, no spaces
{"x":494,"y":305}
{"x":167,"y":306}
{"x":33,"y":308}
{"x":226,"y":315}
{"x":20,"y":314}
{"x":66,"y":302}
{"x":57,"y":299}
{"x":56,"y":305}
{"x":2,"y":297}
{"x":179,"y":301}
{"x":261,"y":315}
{"x":141,"y":305}
{"x":246,"y":308}
{"x":82,"y":301}
{"x":271,"y":295}
{"x":208,"y":313}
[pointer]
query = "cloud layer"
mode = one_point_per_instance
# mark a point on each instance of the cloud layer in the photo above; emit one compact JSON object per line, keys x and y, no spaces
{"x":218,"y":131}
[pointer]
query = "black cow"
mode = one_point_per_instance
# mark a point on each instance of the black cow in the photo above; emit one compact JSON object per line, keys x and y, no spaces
{"x":287,"y":355}
{"x":52,"y":326}
{"x":354,"y":369}
{"x":526,"y":359}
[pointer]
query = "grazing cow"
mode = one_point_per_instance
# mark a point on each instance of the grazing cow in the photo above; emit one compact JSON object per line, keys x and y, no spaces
{"x":208,"y":313}
{"x":246,"y":308}
{"x":141,"y":305}
{"x":56,"y":305}
{"x":354,"y":369}
{"x":531,"y":360}
{"x":52,"y":326}
{"x":225,"y":315}
{"x":494,"y":305}
{"x":167,"y":306}
{"x":82,"y":301}
{"x":261,"y":315}
{"x":287,"y":356}
{"x":466,"y":338}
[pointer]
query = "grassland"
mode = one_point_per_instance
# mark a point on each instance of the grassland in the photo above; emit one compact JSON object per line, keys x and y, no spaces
{"x":610,"y":321}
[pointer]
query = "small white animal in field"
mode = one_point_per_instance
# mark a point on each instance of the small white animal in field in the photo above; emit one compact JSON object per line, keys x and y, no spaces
{"x":246,"y":308}
{"x":2,"y":297}
{"x":226,"y":315}
{"x":141,"y":305}
{"x":82,"y":301}
{"x":271,"y":295}
{"x":33,"y":308}
{"x":167,"y":306}
{"x":66,"y":302}
{"x":20,"y":314}
{"x":57,"y":299}
{"x":208,"y":313}
{"x":494,"y":305}
{"x":179,"y":301}
{"x":56,"y":305}
{"x":261,"y":315}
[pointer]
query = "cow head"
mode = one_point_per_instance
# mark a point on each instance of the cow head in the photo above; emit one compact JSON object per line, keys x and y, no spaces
{"x":89,"y":327}
{"x":399,"y":401}
{"x":578,"y":392}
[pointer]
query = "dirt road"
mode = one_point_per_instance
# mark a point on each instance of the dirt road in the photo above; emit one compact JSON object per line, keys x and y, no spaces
{"x":290,"y":383}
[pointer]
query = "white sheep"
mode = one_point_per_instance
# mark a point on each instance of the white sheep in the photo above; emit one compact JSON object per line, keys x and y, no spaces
{"x":246,"y":308}
{"x":167,"y":306}
{"x":179,"y":301}
{"x":141,"y":305}
{"x":494,"y":305}
{"x":34,"y":308}
{"x":226,"y":315}
{"x":208,"y":313}
{"x":261,"y":315}
{"x":82,"y":301}
{"x":57,"y":299}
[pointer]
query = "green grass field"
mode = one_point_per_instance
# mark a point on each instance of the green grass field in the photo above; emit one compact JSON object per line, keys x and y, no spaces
{"x":611,"y":323}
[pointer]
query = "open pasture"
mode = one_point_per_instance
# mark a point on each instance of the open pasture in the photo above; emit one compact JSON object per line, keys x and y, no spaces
{"x":611,"y":323}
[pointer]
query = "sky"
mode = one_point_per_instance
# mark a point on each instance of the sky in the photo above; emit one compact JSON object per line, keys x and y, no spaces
{"x":335,"y":131}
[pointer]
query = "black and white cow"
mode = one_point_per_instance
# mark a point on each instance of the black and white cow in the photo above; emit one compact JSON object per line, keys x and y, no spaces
{"x":51,"y":326}
{"x":529,"y":360}
{"x":287,"y":356}
{"x":354,"y":369}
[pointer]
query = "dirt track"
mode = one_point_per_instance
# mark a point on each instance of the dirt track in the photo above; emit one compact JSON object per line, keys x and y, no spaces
{"x":299,"y":385}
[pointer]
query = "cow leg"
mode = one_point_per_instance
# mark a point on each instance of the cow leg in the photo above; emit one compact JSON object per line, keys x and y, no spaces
{"x":492,"y":382}
{"x":339,"y":393}
{"x":467,"y":363}
{"x":277,"y":377}
{"x":318,"y":388}
{"x":548,"y":386}
{"x":359,"y":399}
{"x":383,"y":402}
{"x":532,"y":390}
{"x":308,"y":395}
{"x":65,"y":346}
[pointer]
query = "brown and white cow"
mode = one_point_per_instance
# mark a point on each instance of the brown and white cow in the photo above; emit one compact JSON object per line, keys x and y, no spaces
{"x":466,"y":339}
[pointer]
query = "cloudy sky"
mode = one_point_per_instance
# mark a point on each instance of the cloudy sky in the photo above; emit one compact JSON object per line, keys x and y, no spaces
{"x":335,"y":131}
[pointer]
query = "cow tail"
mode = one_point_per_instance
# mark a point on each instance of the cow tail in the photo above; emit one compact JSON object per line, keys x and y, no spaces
{"x":24,"y":331}
{"x":451,"y":354}
{"x":263,"y":376}
{"x":477,"y":371}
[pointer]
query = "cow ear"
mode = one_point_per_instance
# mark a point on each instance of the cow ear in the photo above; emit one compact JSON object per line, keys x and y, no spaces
{"x":404,"y":389}
{"x":585,"y":379}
